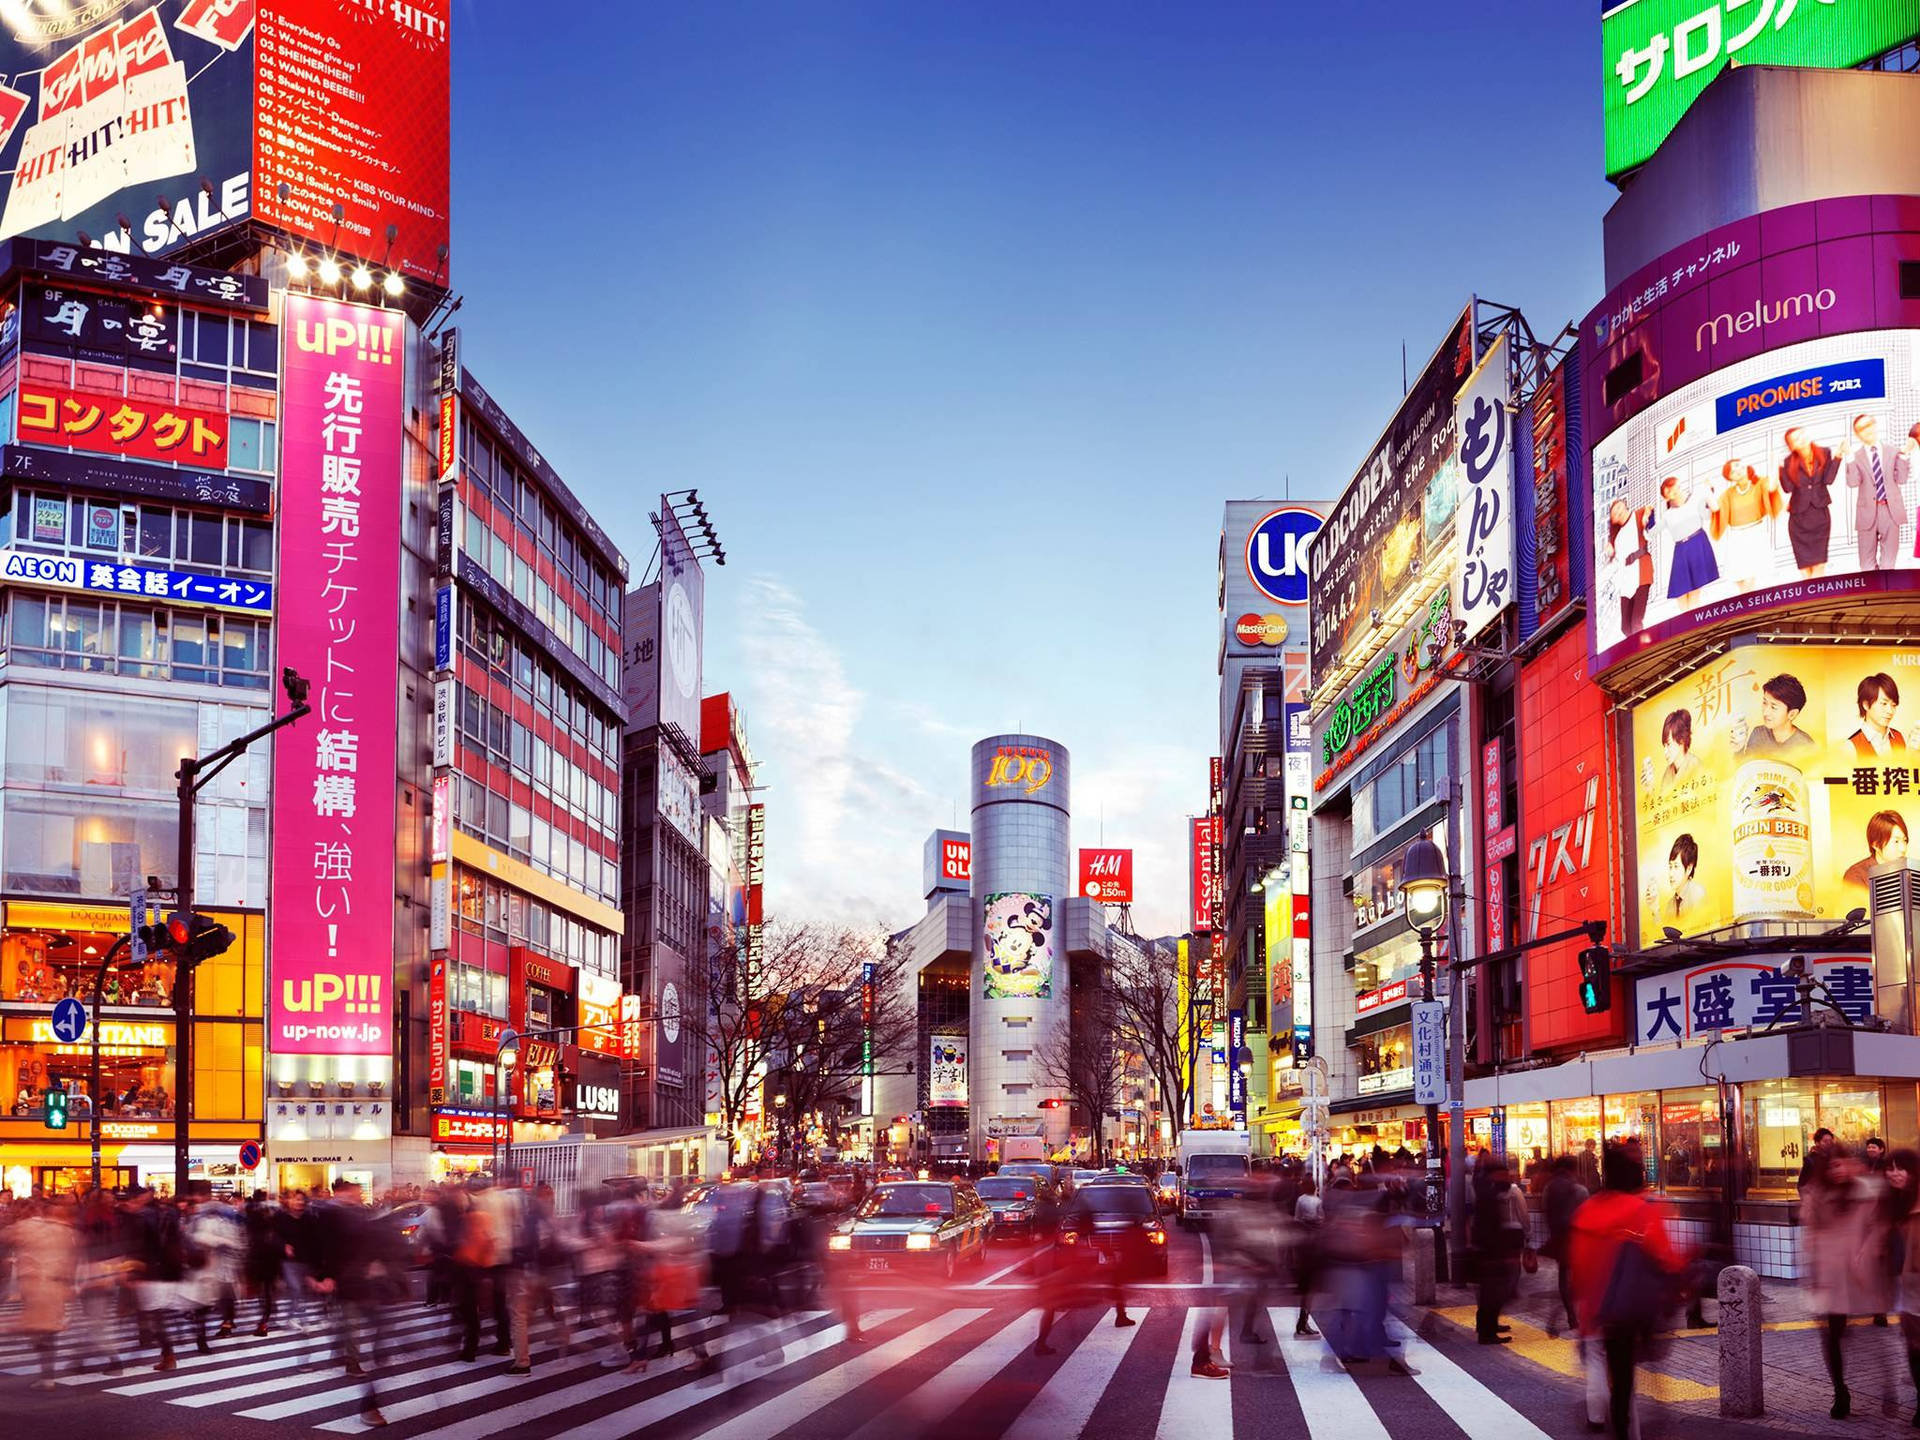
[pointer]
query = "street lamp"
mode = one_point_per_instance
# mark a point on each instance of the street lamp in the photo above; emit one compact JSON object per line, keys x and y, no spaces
{"x":1423,"y":889}
{"x":506,"y":1055}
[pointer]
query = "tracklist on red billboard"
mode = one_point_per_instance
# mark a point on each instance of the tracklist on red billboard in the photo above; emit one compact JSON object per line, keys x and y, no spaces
{"x":351,"y":104}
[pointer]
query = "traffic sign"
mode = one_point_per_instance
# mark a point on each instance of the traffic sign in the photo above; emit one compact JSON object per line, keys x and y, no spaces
{"x":1429,"y":1052}
{"x":250,"y":1155}
{"x":69,"y":1021}
{"x":137,"y":922}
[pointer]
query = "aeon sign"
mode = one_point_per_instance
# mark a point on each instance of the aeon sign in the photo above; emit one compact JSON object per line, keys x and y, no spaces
{"x":1277,"y":553}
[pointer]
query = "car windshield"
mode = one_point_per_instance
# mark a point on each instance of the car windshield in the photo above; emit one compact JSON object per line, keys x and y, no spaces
{"x":1005,"y":1187}
{"x":1216,"y":1167}
{"x":1168,"y":1180}
{"x":1118,"y":1200}
{"x":910,"y":1200}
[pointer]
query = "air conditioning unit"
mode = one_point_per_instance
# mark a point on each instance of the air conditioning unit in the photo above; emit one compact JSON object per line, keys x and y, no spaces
{"x":1894,"y":908}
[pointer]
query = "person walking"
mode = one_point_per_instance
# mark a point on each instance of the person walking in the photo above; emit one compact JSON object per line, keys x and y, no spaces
{"x":1306,"y":1252}
{"x":153,"y":1228}
{"x":1626,"y":1273}
{"x":1845,"y":1229}
{"x":266,"y":1255}
{"x":353,"y":1268}
{"x":1499,"y":1237}
{"x":1563,"y":1198}
{"x":44,"y":1260}
{"x":1903,"y":1212}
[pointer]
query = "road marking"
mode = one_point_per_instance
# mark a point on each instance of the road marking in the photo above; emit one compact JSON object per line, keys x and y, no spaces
{"x":1206,"y":1259}
{"x":1192,"y":1404}
{"x":983,"y":1284}
{"x":1474,"y":1407}
{"x":1562,"y":1356}
{"x":635,"y":1418}
{"x":201,"y":1368}
{"x":1064,"y":1404}
{"x":939,"y":1397}
{"x":1329,"y":1399}
{"x":282,"y":1382}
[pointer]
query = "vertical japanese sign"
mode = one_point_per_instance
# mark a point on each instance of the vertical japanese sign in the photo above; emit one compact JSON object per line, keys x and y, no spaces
{"x":1236,"y":1053}
{"x":756,"y":877}
{"x":437,"y":1032}
{"x":1552,"y":551}
{"x":333,"y":852}
{"x":1486,"y":584}
{"x":448,"y":455}
{"x":1429,"y":1052}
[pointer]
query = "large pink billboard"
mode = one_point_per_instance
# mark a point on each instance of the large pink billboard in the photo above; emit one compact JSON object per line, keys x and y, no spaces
{"x":331,"y":927}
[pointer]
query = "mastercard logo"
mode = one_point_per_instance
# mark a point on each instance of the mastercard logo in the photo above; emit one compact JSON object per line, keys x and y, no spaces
{"x":1260,"y":629}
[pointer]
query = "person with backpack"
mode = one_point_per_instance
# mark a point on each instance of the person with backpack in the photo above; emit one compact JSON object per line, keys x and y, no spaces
{"x":1626,"y":1276}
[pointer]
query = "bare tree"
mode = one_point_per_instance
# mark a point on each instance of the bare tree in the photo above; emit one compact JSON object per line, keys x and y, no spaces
{"x":1146,"y":1003}
{"x":1085,"y":1059}
{"x":802,"y":1015}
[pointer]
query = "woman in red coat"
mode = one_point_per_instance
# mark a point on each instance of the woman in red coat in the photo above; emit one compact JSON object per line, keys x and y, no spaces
{"x":1626,"y":1269}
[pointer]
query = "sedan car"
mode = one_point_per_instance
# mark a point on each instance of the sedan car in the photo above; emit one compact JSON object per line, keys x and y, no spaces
{"x":1116,"y":1225}
{"x":914,"y":1226}
{"x":1022,"y":1207}
{"x":1167,"y":1190}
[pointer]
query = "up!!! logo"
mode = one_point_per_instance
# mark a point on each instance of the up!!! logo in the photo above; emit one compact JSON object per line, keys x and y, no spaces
{"x":1277,"y":552}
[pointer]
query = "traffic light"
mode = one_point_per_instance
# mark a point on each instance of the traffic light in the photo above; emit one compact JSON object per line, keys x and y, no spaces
{"x":55,"y":1108}
{"x":157,"y":938}
{"x":1051,"y":1104}
{"x":1596,"y":979}
{"x":193,"y":938}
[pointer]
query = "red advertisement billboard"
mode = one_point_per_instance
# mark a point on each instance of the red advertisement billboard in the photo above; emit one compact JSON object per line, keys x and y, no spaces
{"x":1567,"y":816}
{"x":333,"y":856}
{"x":956,"y":860}
{"x":1107,"y":876}
{"x":351,"y":105}
{"x":1201,"y":849}
{"x":128,"y":425}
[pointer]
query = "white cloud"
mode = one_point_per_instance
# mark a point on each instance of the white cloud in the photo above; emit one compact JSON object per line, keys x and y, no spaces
{"x":844,"y":826}
{"x":1141,"y":795}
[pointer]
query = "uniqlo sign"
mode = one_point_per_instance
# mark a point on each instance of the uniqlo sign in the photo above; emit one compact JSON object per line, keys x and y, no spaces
{"x":1107,"y":876}
{"x":956,"y":859}
{"x":339,"y":530}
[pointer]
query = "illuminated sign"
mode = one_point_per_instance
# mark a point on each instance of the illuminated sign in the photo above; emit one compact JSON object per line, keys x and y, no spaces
{"x":1379,"y":999}
{"x":437,"y":1032}
{"x":457,"y":1126}
{"x":956,"y":860}
{"x":1745,"y":993}
{"x":1401,"y":677}
{"x":1251,"y":629}
{"x":126,"y":425}
{"x":1660,"y":54}
{"x":947,"y":1075}
{"x":127,"y":1130}
{"x":599,"y":1014}
{"x":108,"y":577}
{"x":1107,"y":876}
{"x":1026,"y":766}
{"x":1277,"y":553}
{"x":117,"y":1037}
{"x":601,"y":1100}
{"x":1018,"y":931}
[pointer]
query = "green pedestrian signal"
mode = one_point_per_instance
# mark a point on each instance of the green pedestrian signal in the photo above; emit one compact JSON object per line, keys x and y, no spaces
{"x":55,"y":1108}
{"x":1596,"y":980}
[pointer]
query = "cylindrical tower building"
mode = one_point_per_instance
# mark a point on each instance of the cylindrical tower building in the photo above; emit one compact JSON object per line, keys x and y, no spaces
{"x":1020,"y":889}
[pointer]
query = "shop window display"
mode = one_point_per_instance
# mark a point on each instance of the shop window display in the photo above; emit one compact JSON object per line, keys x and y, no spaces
{"x":1692,"y":1147}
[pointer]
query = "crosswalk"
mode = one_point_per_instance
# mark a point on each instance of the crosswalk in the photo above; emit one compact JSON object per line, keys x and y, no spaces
{"x":917,"y":1369}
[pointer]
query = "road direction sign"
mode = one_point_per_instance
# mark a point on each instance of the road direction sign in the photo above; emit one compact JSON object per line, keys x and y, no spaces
{"x":137,"y":921}
{"x":1429,"y":1052}
{"x":250,"y":1155}
{"x":69,"y":1021}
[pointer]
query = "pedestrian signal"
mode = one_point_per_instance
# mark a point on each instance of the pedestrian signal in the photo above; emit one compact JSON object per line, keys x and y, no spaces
{"x":55,"y":1108}
{"x":1596,"y":979}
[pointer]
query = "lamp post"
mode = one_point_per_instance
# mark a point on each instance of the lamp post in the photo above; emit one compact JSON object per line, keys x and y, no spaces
{"x":506,"y":1055}
{"x":1423,"y":887}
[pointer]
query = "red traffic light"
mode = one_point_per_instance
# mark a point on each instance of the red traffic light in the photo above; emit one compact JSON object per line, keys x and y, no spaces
{"x":179,"y":930}
{"x":1051,"y":1104}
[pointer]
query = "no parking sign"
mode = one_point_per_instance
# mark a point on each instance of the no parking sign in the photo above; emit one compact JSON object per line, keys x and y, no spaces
{"x":250,"y":1155}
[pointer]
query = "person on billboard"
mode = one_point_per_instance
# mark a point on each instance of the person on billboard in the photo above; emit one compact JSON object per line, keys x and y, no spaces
{"x":1806,"y":477}
{"x":1690,"y":566}
{"x":1746,"y":507}
{"x":1877,"y":475}
{"x":1877,"y":698}
{"x":1676,"y":742}
{"x":1781,"y":700}
{"x":1631,"y":559}
{"x":1686,"y":895}
{"x":1886,"y":845}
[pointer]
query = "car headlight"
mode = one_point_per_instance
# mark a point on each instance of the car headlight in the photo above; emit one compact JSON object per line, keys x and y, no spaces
{"x":920,"y":1241}
{"x":839,"y":1242}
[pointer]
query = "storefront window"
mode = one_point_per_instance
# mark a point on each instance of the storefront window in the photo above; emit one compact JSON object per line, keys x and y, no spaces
{"x":1528,"y":1142}
{"x":1635,"y":1117}
{"x":1575,"y":1128}
{"x":1851,"y":1109}
{"x":1398,"y":959}
{"x":136,"y":1068}
{"x":1692,"y":1151}
{"x":1386,"y":1060}
{"x":1781,"y":1118}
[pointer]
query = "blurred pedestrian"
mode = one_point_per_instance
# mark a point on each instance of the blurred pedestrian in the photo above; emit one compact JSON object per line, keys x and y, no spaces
{"x":1903,"y":1212}
{"x":354,"y":1268}
{"x":266,"y":1255}
{"x":1626,"y":1275}
{"x":1845,"y":1231}
{"x":44,"y":1262}
{"x":217,"y":1247}
{"x":153,"y":1227}
{"x":1306,"y":1253}
{"x":473,"y":1253}
{"x":1563,"y":1198}
{"x":1499,"y":1239}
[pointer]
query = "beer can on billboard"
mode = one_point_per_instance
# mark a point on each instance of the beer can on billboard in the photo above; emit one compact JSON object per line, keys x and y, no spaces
{"x":1772,"y":842}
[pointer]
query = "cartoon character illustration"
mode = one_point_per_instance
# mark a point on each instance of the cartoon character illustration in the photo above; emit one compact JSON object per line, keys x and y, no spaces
{"x":1019,"y":947}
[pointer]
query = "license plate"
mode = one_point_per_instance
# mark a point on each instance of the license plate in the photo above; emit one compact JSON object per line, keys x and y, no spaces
{"x":877,"y":1262}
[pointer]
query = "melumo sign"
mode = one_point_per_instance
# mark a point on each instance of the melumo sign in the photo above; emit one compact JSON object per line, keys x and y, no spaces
{"x":1660,"y":54}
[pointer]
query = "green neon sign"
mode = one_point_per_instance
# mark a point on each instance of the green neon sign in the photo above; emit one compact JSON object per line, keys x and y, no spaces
{"x":1660,"y":54}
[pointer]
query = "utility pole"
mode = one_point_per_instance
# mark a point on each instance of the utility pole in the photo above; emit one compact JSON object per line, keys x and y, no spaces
{"x":1456,"y":1047}
{"x":194,"y":772}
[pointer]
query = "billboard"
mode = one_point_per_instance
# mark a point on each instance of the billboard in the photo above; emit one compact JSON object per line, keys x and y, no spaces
{"x":125,"y":425}
{"x":1738,"y":994}
{"x":1786,"y":477}
{"x":1399,"y":505}
{"x":1200,"y":888}
{"x":682,"y":610}
{"x":352,"y":107}
{"x":1277,"y":949}
{"x":1019,"y":935}
{"x":331,"y":923}
{"x":1276,"y":552}
{"x":1768,"y":782}
{"x":1566,"y":816}
{"x":150,"y":127}
{"x":1484,"y":580}
{"x":1107,"y":876}
{"x":599,"y":1002}
{"x":947,"y":862}
{"x":1658,"y":55}
{"x":639,"y":660}
{"x":1558,"y":457}
{"x":947,"y":1072}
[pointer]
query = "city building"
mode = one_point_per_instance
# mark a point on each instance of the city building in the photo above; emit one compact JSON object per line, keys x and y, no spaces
{"x":1262,"y":660}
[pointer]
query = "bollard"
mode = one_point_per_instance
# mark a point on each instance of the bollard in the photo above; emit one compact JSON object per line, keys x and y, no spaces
{"x":1740,"y":1385}
{"x":1423,"y":1244}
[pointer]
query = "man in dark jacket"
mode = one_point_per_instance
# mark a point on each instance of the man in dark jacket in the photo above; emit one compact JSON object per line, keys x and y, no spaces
{"x":155,"y":1241}
{"x":1564,"y":1195}
{"x":351,"y":1267}
{"x":266,"y":1254}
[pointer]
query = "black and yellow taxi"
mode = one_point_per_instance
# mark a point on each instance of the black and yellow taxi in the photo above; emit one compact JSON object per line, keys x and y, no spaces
{"x":911,"y":1227}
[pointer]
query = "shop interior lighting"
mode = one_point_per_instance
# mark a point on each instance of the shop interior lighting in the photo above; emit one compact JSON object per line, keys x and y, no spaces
{"x":362,"y":277}
{"x":329,"y":271}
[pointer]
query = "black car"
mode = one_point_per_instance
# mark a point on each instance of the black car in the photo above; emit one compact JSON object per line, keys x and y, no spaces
{"x":1023,"y":1206}
{"x":1115,"y":1224}
{"x":914,"y":1226}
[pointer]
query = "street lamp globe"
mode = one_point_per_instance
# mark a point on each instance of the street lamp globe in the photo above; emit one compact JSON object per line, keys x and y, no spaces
{"x":509,"y":1051}
{"x":1423,"y":885}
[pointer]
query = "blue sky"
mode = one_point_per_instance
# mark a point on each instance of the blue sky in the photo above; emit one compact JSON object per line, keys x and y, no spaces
{"x":966,"y":318}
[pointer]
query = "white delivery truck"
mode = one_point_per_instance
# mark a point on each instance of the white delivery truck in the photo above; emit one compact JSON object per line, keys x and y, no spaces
{"x":1215,"y":1166}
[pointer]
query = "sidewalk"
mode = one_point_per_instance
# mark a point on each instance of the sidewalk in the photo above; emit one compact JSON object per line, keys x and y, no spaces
{"x":1685,"y":1377}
